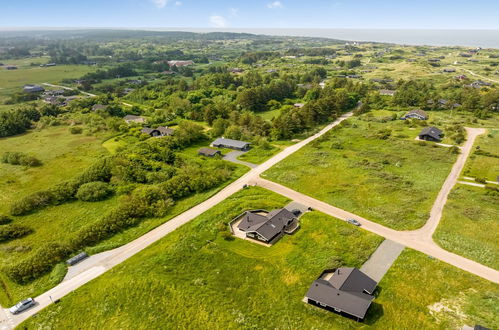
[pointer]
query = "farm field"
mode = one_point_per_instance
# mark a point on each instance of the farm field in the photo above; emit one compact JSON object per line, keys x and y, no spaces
{"x":196,"y":278}
{"x":484,"y":162}
{"x":469,"y":225}
{"x":392,"y":181}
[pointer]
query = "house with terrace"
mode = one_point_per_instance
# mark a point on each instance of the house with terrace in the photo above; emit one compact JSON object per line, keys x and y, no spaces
{"x":346,"y":291}
{"x":265,"y":227}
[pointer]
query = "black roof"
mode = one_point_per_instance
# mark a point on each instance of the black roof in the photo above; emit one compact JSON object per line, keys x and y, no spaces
{"x":345,"y":291}
{"x":266,"y":226}
{"x":432,"y":132}
{"x":208,"y":151}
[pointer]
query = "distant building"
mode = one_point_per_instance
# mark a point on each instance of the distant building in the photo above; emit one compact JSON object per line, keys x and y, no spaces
{"x":344,"y":290}
{"x":33,"y":89}
{"x":165,"y":131}
{"x":231,"y":144}
{"x":179,"y":64}
{"x":431,"y":134}
{"x":11,"y":67}
{"x":236,"y":70}
{"x":208,"y":152}
{"x":433,"y":60}
{"x":449,"y":70}
{"x":416,"y":114}
{"x":354,"y":76}
{"x":96,"y":107}
{"x":134,"y":119}
{"x":388,"y":92}
{"x":150,"y":131}
{"x":298,"y":105}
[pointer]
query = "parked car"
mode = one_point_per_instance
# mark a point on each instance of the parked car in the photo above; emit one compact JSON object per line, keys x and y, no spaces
{"x":22,"y":306}
{"x":353,"y":222}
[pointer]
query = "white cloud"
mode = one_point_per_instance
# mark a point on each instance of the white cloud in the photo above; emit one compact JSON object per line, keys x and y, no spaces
{"x":233,"y":12}
{"x":178,"y":3}
{"x":160,"y":3}
{"x":218,"y":21}
{"x":275,"y":4}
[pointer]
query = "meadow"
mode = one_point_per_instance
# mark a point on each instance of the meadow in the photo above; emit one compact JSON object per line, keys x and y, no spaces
{"x":482,"y":165}
{"x":194,"y":278}
{"x":469,"y":225}
{"x":391,"y":180}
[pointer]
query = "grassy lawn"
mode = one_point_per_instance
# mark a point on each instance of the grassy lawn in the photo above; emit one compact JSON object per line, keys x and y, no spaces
{"x":258,"y":155}
{"x":13,"y":81}
{"x":393,"y":182}
{"x":57,"y":223}
{"x":470,"y":224}
{"x":423,"y":293}
{"x":481,"y":166}
{"x":64,"y":155}
{"x":193,"y":278}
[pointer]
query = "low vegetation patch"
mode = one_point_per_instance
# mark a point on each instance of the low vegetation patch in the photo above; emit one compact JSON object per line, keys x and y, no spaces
{"x":361,"y":168}
{"x":13,"y":231}
{"x":469,"y":225}
{"x":19,"y":158}
{"x":94,"y":191}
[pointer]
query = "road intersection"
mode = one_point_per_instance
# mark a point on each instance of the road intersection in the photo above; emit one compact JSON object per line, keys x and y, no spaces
{"x":420,"y":239}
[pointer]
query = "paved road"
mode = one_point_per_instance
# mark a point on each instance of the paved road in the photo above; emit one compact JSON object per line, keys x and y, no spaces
{"x":232,"y":157}
{"x":382,"y":259}
{"x":117,"y":256}
{"x":68,"y":88}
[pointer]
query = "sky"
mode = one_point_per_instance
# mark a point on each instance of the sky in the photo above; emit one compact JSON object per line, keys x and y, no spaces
{"x":233,"y":14}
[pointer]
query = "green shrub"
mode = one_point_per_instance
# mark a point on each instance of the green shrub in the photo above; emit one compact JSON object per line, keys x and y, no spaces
{"x":5,"y":220}
{"x":94,"y":191}
{"x":481,"y":180}
{"x":19,"y":158}
{"x":32,"y":202}
{"x":75,"y":130}
{"x":41,"y":262}
{"x":10,"y":232}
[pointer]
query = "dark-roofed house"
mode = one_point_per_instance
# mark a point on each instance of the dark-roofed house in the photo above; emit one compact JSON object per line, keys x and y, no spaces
{"x":33,"y":89}
{"x":417,"y":114}
{"x":134,"y":119}
{"x":449,"y":70}
{"x":431,"y":134}
{"x":165,"y":131}
{"x":231,"y":144}
{"x":150,"y":131}
{"x":10,"y":67}
{"x":208,"y":152}
{"x":268,"y":228}
{"x":343,"y":290}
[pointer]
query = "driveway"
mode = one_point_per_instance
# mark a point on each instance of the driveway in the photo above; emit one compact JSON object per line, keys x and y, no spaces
{"x":382,"y":259}
{"x":232,"y":157}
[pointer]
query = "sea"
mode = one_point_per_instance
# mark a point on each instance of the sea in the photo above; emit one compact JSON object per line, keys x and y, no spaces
{"x":420,"y":37}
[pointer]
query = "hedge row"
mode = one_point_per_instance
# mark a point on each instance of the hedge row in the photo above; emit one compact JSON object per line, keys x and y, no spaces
{"x":19,"y":158}
{"x":144,"y":202}
{"x":9,"y":232}
{"x":101,"y":171}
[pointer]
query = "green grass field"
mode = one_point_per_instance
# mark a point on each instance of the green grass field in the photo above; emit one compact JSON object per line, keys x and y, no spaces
{"x":13,"y":81}
{"x":481,"y":166}
{"x":258,"y":155}
{"x":393,"y":181}
{"x":193,"y":278}
{"x":470,"y":224}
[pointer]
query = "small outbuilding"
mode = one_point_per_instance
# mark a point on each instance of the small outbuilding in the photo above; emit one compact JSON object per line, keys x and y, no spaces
{"x":134,"y":119}
{"x":230,"y":144}
{"x":344,"y":290}
{"x":387,"y":92}
{"x":33,"y":89}
{"x":208,"y":152}
{"x":165,"y":131}
{"x":431,"y":134}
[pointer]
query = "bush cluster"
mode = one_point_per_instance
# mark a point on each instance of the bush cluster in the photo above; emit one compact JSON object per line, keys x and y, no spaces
{"x":9,"y":232}
{"x":93,"y":191}
{"x":101,"y":171}
{"x":4,"y":220}
{"x":19,"y":158}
